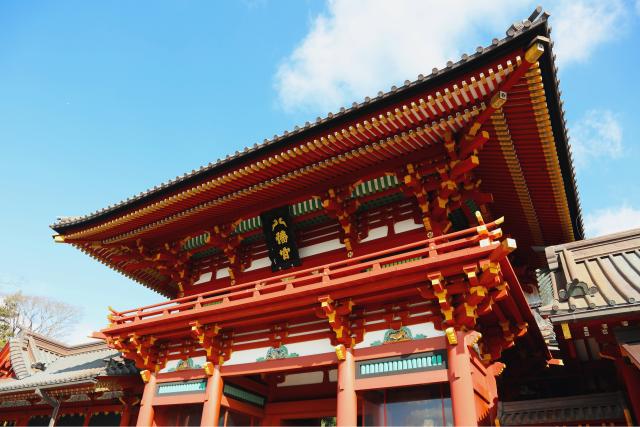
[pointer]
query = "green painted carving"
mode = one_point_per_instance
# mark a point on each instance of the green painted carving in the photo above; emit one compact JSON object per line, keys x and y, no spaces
{"x":398,"y":335}
{"x":185,"y":364}
{"x":277,"y":353}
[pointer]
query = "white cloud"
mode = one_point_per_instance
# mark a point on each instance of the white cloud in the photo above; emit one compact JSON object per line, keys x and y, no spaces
{"x":580,"y":26}
{"x":596,"y":135}
{"x":357,"y":48}
{"x":611,"y":220}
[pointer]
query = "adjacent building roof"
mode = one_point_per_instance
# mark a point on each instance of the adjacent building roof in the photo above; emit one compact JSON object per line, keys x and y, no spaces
{"x":632,"y":351}
{"x":592,"y":277}
{"x":40,"y":362}
{"x":563,"y":410}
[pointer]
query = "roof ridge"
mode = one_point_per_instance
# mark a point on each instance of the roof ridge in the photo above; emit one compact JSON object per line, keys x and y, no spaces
{"x":596,"y":241}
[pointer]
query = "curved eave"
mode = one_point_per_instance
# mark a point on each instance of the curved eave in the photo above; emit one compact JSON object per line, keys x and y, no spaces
{"x":409,"y":90}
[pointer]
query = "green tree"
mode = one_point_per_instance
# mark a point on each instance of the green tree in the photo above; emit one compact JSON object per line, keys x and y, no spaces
{"x":8,"y":312}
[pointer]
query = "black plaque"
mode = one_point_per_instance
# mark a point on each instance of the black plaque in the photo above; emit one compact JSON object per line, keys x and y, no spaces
{"x":280,"y":237}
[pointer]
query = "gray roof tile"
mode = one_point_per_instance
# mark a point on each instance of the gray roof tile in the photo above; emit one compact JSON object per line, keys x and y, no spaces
{"x":73,"y":368}
{"x":593,"y":407}
{"x":591,"y":275}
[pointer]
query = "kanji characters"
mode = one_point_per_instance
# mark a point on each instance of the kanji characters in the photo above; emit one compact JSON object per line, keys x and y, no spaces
{"x":281,"y":237}
{"x":277,"y":221}
{"x":284,"y":253}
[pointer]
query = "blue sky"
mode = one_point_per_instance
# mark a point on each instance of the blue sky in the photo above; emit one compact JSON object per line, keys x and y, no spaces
{"x":102,"y":100}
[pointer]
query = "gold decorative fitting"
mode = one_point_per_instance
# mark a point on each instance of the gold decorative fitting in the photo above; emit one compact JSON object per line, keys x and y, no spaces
{"x":208,"y":368}
{"x":498,"y":100}
{"x":476,"y":338}
{"x":58,"y":238}
{"x":451,"y":335}
{"x":534,"y":53}
{"x":566,"y":332}
{"x":146,"y":375}
{"x":341,"y":352}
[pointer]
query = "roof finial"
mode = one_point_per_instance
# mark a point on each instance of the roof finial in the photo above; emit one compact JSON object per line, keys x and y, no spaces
{"x":535,"y":14}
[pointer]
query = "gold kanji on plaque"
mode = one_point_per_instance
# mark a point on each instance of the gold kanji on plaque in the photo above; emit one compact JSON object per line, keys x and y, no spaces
{"x":284,"y":253}
{"x":281,"y":237}
{"x":276,"y":222}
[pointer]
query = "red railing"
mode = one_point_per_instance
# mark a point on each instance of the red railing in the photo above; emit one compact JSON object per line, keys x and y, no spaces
{"x":406,"y":254}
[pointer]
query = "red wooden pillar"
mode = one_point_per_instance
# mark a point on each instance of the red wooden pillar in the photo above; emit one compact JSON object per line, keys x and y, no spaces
{"x":347,"y":411}
{"x":87,"y":417}
{"x":213,"y":395}
{"x":125,"y":415}
{"x":145,"y":416}
{"x":23,"y":421}
{"x":460,"y":381}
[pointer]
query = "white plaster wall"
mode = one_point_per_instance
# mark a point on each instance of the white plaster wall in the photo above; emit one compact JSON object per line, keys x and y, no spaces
{"x":318,"y":248}
{"x":406,"y":225}
{"x":376,"y":233}
{"x":223,"y":272}
{"x":204,"y":277}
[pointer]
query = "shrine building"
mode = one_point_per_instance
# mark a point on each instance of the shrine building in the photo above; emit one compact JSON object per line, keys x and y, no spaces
{"x":83,"y":385}
{"x":383,"y":265}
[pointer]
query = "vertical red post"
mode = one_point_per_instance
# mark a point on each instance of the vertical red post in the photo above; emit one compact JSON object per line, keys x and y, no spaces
{"x":87,"y":417}
{"x":213,"y":395}
{"x":145,"y":416}
{"x":460,"y":381}
{"x":347,"y":411}
{"x":125,"y":415}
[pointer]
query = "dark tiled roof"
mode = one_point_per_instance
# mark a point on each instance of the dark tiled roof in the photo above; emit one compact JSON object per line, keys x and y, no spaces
{"x":536,"y":24}
{"x":63,"y":364}
{"x":563,"y":410}
{"x":592,"y":275}
{"x":82,"y":367}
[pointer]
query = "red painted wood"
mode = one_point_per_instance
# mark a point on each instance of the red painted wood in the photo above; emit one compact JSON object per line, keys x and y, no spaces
{"x":212,"y":399}
{"x":461,"y":383}
{"x":402,"y":380}
{"x":347,"y":402}
{"x":145,"y":416}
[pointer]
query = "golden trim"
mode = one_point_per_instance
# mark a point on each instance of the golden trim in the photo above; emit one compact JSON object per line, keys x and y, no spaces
{"x":548,"y":144}
{"x":452,"y":339}
{"x":505,"y":143}
{"x":566,"y":332}
{"x":341,"y":352}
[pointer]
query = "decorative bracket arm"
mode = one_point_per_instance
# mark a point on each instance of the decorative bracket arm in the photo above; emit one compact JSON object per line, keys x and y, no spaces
{"x":209,"y":337}
{"x":340,"y":206}
{"x":338,"y":317}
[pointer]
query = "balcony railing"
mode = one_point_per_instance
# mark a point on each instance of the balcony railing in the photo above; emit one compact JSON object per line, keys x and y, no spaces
{"x":438,"y":252}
